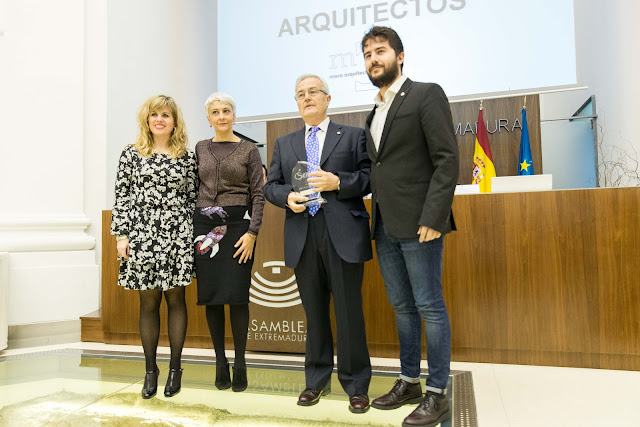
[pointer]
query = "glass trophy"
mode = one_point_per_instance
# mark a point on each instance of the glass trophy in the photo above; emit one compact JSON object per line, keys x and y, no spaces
{"x":300,"y":182}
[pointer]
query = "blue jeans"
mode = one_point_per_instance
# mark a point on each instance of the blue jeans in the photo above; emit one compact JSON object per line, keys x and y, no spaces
{"x":412,"y":273}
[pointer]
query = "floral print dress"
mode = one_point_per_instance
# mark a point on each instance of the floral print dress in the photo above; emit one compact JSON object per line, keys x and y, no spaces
{"x":154,"y":201}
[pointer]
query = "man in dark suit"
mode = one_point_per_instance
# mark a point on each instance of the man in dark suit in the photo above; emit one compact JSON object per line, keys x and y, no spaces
{"x":327,"y":244}
{"x":415,"y":162}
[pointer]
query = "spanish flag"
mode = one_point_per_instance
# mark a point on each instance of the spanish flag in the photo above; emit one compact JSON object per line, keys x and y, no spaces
{"x":483,"y":168}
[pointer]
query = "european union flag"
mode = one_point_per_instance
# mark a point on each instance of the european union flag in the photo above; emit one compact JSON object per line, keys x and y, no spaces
{"x":525,"y":161}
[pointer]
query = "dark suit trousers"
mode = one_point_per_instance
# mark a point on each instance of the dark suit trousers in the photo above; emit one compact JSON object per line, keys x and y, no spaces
{"x":321,"y":273}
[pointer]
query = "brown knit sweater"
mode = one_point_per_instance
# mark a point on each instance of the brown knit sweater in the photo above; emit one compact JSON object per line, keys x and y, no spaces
{"x":233,"y":179}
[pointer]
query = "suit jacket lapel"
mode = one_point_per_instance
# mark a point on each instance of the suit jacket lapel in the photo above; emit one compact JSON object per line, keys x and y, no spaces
{"x":298,"y":144}
{"x":371,"y":148}
{"x":370,"y":117}
{"x":334,"y":133}
{"x":397,"y":101}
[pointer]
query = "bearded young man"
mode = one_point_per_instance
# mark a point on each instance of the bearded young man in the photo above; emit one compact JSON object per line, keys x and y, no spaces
{"x":415,"y":162}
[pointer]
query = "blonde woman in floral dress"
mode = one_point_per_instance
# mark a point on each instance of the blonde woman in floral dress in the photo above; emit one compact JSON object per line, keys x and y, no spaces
{"x":155,"y":194}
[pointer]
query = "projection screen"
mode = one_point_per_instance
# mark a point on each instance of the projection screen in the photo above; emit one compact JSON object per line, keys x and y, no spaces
{"x":470,"y":47}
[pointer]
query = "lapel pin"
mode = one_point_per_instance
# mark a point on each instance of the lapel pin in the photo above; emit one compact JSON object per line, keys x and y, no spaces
{"x":402,"y":94}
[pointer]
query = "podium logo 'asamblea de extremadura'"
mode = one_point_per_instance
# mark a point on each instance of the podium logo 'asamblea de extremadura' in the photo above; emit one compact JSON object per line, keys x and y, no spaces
{"x":272,"y":293}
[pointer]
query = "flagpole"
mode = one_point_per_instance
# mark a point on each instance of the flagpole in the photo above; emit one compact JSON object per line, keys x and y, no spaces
{"x":525,"y":102}
{"x":481,"y":104}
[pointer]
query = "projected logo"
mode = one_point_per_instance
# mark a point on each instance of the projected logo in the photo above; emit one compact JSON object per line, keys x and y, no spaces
{"x":278,"y":292}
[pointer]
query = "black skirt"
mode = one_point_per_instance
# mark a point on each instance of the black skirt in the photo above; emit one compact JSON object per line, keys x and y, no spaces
{"x":220,"y":279}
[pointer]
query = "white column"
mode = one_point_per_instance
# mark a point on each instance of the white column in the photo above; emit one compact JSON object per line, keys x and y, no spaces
{"x":52,"y":269}
{"x":97,"y":196}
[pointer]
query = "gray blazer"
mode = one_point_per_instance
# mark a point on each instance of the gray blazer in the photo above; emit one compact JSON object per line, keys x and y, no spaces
{"x":415,"y":171}
{"x":344,"y":154}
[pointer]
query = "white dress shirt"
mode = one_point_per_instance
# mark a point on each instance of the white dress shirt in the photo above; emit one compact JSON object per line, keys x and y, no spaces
{"x":382,"y":109}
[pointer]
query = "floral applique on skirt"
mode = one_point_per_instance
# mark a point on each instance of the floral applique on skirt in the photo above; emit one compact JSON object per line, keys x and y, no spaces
{"x":221,"y":280}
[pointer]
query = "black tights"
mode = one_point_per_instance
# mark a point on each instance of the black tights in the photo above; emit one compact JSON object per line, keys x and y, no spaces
{"x":150,"y":324}
{"x":239,"y":314}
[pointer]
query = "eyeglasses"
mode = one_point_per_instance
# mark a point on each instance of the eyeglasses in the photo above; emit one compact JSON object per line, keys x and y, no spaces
{"x":312,"y":92}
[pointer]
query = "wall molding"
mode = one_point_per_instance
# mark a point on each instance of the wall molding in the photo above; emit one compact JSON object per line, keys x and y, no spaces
{"x":45,"y":233}
{"x":43,"y":333}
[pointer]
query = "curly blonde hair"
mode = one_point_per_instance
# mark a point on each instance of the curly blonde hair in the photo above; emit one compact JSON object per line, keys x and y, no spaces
{"x":144,"y":140}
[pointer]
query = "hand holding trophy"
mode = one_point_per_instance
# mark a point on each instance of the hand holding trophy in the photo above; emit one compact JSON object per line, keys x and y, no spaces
{"x":300,"y":182}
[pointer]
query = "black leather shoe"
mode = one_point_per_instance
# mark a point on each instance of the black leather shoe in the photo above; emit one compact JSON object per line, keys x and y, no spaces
{"x":239,"y":382}
{"x":174,"y":382}
{"x":223,"y":378}
{"x":150,"y":387}
{"x":401,"y":393}
{"x":359,"y":403}
{"x":311,"y":396}
{"x":433,"y":410}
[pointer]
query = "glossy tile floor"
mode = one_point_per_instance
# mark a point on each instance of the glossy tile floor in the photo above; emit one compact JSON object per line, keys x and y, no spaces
{"x":67,"y":386}
{"x":85,"y":384}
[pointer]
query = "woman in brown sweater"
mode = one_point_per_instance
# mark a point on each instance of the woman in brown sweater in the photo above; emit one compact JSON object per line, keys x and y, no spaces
{"x":227,"y":218}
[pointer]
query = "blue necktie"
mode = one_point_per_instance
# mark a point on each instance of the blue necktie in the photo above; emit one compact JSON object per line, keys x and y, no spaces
{"x":313,"y":157}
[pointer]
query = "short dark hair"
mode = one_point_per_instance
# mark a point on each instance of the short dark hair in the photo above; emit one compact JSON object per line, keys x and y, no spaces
{"x":384,"y":33}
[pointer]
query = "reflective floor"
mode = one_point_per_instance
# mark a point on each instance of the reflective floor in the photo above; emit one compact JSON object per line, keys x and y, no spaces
{"x":73,"y":387}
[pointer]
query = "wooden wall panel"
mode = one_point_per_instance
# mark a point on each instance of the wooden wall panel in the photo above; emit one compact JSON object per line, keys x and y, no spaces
{"x":617,"y":237}
{"x":473,"y":275}
{"x":546,"y":278}
{"x":543,"y":287}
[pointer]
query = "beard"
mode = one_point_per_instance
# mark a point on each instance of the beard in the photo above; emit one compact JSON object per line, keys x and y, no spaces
{"x":386,"y":78}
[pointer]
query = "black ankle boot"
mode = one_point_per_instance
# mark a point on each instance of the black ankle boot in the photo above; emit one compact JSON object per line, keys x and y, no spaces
{"x":223,"y":378}
{"x":174,"y":382}
{"x":150,"y":384}
{"x":239,"y":379}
